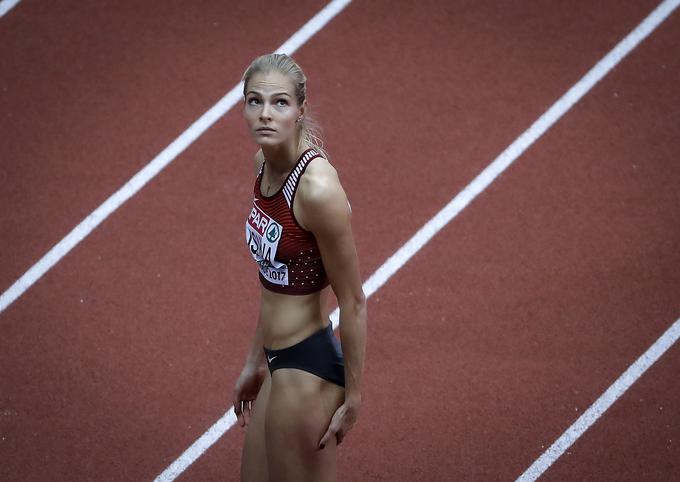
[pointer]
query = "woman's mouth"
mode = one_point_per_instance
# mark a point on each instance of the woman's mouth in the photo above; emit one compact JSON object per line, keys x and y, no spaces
{"x":265,"y":129}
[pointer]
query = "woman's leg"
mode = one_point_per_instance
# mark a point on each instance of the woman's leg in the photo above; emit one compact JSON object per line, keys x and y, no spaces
{"x":299,"y":410}
{"x":254,"y":456}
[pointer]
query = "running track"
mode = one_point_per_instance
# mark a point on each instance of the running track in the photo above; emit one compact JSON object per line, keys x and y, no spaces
{"x":483,"y":349}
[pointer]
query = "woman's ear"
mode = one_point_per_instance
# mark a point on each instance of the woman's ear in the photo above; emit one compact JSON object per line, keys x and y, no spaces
{"x":303,"y":108}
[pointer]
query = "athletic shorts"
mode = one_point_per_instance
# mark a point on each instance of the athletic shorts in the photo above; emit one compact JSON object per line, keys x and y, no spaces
{"x":319,"y":354}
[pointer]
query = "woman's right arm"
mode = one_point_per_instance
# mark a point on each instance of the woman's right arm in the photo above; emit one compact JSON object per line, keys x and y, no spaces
{"x":255,"y":357}
{"x":255,"y":369}
{"x":251,"y":378}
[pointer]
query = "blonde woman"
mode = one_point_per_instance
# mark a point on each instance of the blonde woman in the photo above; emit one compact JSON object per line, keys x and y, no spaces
{"x":299,"y":391}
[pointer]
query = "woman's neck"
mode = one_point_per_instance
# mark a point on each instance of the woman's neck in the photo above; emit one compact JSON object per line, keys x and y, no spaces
{"x":280,"y":159}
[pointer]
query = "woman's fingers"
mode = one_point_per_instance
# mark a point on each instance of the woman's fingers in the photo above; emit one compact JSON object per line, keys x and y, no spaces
{"x":247,"y":405}
{"x":238,"y":406}
{"x":334,"y":428}
{"x":330,"y":432}
{"x":243,"y":411}
{"x":326,"y":437}
{"x":239,"y":413}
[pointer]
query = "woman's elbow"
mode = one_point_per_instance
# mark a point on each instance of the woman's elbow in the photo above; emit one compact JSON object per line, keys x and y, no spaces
{"x":355,"y":304}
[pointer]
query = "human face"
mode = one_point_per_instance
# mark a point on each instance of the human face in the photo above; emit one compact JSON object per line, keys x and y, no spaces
{"x":271,"y":109}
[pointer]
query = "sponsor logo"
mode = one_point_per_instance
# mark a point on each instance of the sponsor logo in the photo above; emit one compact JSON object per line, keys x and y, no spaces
{"x":273,"y":233}
{"x":262,"y":237}
{"x":270,"y":359}
{"x":258,"y":220}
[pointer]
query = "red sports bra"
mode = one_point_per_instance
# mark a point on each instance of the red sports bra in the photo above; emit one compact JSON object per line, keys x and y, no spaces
{"x":287,"y":255}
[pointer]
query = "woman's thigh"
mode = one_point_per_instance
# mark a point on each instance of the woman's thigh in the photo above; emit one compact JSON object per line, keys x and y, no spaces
{"x":299,"y":410}
{"x":254,"y":456}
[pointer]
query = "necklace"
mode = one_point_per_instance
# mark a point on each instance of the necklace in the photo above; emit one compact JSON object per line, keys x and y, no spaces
{"x":268,"y":173}
{"x":269,"y":185}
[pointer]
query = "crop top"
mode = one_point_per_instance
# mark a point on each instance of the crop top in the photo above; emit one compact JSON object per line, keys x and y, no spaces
{"x":287,"y":255}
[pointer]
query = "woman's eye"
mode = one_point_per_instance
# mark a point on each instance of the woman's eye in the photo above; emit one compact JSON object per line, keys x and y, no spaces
{"x":281,"y":102}
{"x":253,"y":101}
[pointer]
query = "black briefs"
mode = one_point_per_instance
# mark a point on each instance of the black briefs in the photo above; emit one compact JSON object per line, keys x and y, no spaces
{"x":319,"y":354}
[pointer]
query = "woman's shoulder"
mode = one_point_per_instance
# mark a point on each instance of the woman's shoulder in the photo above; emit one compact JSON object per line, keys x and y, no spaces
{"x":320,"y":190}
{"x":319,"y":178}
{"x":322,"y":202}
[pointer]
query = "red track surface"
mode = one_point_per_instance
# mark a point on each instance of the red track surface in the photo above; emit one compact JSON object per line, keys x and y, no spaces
{"x":482,"y":350}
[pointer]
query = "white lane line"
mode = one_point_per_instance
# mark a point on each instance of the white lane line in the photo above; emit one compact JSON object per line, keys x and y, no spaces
{"x":512,"y":152}
{"x":606,"y":400}
{"x":165,"y":157}
{"x":6,"y":6}
{"x":219,"y":428}
{"x":458,"y":203}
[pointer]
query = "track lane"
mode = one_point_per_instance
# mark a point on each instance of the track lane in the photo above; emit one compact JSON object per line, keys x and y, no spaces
{"x":183,"y":242}
{"x":538,"y":297}
{"x":6,"y":6}
{"x":638,"y":437}
{"x":643,"y":111}
{"x":91,"y":93}
{"x":58,"y":352}
{"x":225,"y":452}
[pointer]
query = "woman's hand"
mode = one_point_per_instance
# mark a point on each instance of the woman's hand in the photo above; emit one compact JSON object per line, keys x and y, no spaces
{"x":341,"y":423}
{"x":246,"y":390}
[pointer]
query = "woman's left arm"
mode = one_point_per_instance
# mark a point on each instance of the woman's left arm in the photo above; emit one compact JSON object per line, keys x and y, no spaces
{"x":324,"y":210}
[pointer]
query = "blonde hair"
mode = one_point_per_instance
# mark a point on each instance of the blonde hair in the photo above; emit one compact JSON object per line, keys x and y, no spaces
{"x":310,"y":132}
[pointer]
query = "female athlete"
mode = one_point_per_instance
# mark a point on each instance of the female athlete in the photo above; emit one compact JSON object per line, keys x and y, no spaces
{"x":299,"y":391}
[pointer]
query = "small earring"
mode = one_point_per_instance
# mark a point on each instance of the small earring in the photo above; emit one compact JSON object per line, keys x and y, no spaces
{"x":299,"y":119}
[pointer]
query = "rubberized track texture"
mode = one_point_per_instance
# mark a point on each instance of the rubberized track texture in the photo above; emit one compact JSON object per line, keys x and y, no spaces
{"x":507,"y":328}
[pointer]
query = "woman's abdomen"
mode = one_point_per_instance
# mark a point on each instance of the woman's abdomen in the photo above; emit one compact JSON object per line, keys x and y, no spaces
{"x":288,"y":319}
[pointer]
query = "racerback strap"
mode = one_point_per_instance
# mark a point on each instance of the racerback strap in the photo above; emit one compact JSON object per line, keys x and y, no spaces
{"x":291,"y":184}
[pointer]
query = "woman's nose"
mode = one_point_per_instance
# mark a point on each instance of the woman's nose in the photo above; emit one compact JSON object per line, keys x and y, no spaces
{"x":264,"y":113}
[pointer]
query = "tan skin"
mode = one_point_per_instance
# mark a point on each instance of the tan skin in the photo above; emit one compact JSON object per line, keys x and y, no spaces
{"x":295,"y":419}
